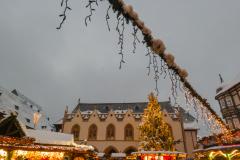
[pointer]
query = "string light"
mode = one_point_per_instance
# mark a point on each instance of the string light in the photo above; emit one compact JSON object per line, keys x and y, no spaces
{"x":193,"y":100}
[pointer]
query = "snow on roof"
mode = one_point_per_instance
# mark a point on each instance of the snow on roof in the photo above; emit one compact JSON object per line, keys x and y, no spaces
{"x":53,"y":138}
{"x":216,"y":148}
{"x":24,"y":107}
{"x":23,"y":128}
{"x":118,"y":155}
{"x":100,"y":154}
{"x":121,"y":111}
{"x":2,"y":110}
{"x":225,"y":86}
{"x":58,"y":122}
{"x":191,"y":125}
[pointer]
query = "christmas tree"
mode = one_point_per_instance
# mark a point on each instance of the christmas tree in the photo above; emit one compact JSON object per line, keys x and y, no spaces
{"x":154,"y":133}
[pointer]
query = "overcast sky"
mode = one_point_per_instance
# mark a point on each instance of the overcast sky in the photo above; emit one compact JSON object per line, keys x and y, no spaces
{"x":56,"y":67}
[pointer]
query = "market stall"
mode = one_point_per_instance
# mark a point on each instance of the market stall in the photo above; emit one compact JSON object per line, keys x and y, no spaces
{"x":219,"y":146}
{"x":159,"y":155}
{"x":19,"y":143}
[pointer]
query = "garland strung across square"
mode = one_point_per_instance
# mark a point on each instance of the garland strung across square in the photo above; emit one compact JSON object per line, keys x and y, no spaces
{"x":177,"y":75}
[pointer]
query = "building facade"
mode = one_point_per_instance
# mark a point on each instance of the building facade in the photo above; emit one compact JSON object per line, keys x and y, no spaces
{"x":228,"y":96}
{"x":112,"y":127}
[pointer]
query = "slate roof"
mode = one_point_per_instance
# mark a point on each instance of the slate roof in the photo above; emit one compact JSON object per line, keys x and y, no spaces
{"x":16,"y":101}
{"x":187,"y":117}
{"x":136,"y":107}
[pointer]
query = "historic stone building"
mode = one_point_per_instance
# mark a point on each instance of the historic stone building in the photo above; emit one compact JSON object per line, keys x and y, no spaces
{"x":112,"y":127}
{"x":228,"y":96}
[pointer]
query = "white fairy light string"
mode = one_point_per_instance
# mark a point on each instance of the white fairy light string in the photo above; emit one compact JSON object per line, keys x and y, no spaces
{"x":167,"y":66}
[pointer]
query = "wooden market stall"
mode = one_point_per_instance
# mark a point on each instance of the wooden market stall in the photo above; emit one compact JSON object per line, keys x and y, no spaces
{"x":19,"y":143}
{"x":159,"y":155}
{"x":219,"y":146}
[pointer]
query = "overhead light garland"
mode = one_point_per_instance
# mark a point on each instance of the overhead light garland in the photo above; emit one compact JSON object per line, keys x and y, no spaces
{"x":168,"y":66}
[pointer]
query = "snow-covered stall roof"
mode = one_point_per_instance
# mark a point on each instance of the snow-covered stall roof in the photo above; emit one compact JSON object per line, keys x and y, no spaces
{"x":191,"y":125}
{"x":15,"y":101}
{"x":100,"y":154}
{"x":216,"y":148}
{"x":226,"y":86}
{"x":118,"y":155}
{"x":54,"y":138}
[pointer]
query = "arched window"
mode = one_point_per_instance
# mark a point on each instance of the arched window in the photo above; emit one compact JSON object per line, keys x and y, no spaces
{"x":170,"y":129}
{"x":110,"y":132}
{"x":92,"y":134}
{"x":128,"y":132}
{"x":76,"y":131}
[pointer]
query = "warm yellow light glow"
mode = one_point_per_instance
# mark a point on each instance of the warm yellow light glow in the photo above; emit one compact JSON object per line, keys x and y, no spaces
{"x":38,"y":155}
{"x":3,"y":153}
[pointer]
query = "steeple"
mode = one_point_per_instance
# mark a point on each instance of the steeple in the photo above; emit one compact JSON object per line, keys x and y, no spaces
{"x":221,"y":78}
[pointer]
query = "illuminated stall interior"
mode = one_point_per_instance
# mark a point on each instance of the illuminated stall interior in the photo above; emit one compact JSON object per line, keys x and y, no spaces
{"x":19,"y":143}
{"x":218,"y":147}
{"x":159,"y":155}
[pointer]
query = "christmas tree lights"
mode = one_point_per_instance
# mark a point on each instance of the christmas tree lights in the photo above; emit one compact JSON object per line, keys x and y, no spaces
{"x":154,"y":133}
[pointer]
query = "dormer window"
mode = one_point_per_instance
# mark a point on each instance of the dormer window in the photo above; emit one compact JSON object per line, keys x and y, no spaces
{"x":16,"y":107}
{"x":136,"y":107}
{"x":120,"y":119}
{"x":85,"y":119}
{"x":222,"y":103}
{"x":229,"y":101}
{"x":0,"y":93}
{"x":44,"y":127}
{"x":28,"y":120}
{"x":106,"y":108}
{"x":31,"y":106}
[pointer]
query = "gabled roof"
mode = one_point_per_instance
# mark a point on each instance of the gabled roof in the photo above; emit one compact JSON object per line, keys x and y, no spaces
{"x":11,"y":126}
{"x":226,"y":86}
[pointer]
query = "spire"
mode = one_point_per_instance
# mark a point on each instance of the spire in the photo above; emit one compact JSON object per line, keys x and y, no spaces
{"x":78,"y":100}
{"x":221,"y":78}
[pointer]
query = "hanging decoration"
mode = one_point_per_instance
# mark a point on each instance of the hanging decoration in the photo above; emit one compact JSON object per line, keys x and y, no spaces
{"x":36,"y":117}
{"x":168,"y":66}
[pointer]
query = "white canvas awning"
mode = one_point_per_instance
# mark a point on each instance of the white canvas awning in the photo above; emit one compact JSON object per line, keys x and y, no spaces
{"x":100,"y":154}
{"x":118,"y":155}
